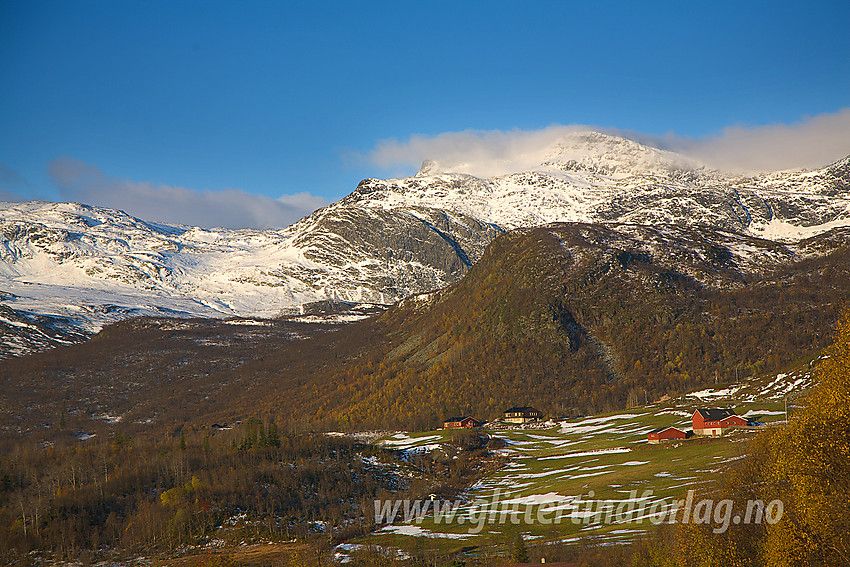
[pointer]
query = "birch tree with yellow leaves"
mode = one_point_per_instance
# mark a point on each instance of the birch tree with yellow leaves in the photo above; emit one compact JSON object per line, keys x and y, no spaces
{"x":812,"y":467}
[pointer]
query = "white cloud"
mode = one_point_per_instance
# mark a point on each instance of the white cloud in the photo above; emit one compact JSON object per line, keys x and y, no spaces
{"x":229,"y":208}
{"x":810,"y":143}
{"x":479,"y":152}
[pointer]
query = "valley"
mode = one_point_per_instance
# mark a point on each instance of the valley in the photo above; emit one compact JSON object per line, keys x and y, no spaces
{"x":574,"y":319}
{"x":191,"y":396}
{"x":578,"y":471}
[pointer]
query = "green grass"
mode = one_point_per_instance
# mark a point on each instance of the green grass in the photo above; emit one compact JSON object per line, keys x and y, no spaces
{"x":607,"y":454}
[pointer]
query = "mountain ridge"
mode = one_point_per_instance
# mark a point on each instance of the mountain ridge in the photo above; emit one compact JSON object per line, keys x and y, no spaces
{"x":81,"y":267}
{"x":577,"y":318}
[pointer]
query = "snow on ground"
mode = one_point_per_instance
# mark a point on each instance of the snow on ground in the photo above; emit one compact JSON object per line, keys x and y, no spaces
{"x":538,"y":499}
{"x":252,"y":322}
{"x":109,"y":418}
{"x":419,"y":531}
{"x":784,"y":231}
{"x":567,"y":464}
{"x":342,"y":552}
{"x":783,"y":385}
{"x":591,"y":425}
{"x":91,"y":266}
{"x":590,"y":474}
{"x":762,"y":412}
{"x":424,"y":448}
{"x":680,"y":413}
{"x":334,"y":318}
{"x":402,"y":441}
{"x":564,"y":465}
{"x":587,"y":453}
{"x":710,"y":394}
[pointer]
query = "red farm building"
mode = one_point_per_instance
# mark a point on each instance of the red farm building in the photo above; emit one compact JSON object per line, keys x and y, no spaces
{"x":662,"y":434}
{"x":716,"y":421}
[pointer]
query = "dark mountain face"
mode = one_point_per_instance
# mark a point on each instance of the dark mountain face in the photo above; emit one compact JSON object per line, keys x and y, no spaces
{"x":577,"y":318}
{"x":383,"y":255}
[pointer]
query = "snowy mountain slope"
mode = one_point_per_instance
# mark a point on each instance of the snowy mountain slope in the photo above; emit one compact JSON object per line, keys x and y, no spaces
{"x":68,"y":269}
{"x":592,"y":177}
{"x":80,"y":267}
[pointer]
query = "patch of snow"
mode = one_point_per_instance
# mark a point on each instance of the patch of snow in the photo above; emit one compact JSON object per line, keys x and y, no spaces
{"x":402,"y":441}
{"x":587,"y":453}
{"x":418,"y":531}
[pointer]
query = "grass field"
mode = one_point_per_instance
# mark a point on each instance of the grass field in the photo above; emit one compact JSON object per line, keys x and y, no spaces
{"x":575,"y":468}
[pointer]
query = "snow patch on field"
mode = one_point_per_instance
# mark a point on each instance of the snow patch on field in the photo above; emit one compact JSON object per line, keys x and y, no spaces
{"x":762,"y":412}
{"x":593,"y":424}
{"x":536,"y":499}
{"x":402,"y":441}
{"x":587,"y":453}
{"x":710,"y":393}
{"x":419,"y":531}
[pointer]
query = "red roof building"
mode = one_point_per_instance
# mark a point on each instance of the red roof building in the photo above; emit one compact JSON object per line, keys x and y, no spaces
{"x":662,"y":434}
{"x":716,"y":421}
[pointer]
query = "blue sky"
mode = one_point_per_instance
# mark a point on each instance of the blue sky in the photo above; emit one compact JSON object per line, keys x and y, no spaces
{"x":197,"y":109}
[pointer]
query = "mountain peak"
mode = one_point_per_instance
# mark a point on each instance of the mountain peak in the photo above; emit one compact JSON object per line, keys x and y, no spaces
{"x":429,"y":167}
{"x":584,"y":150}
{"x":605,"y":153}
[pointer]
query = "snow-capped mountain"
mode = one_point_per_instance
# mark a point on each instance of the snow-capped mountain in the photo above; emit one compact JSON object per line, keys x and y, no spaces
{"x":75,"y":267}
{"x":67,"y":269}
{"x":591,"y":177}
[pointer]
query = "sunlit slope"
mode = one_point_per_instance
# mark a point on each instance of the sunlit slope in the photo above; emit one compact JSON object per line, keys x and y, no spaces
{"x":580,"y":319}
{"x":604,"y":459}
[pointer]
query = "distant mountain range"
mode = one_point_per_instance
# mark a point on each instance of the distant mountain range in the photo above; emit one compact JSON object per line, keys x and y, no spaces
{"x":68,"y":269}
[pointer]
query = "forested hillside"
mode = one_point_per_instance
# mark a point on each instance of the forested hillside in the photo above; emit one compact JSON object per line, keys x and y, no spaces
{"x":805,"y":465}
{"x":570,"y":318}
{"x":577,"y":319}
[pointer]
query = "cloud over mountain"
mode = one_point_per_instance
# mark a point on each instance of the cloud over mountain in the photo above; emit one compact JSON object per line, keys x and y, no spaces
{"x":229,"y":208}
{"x":810,"y":143}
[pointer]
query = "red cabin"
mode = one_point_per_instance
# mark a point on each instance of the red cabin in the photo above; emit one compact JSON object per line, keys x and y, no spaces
{"x":665,"y":434}
{"x":461,"y":423}
{"x":716,"y":421}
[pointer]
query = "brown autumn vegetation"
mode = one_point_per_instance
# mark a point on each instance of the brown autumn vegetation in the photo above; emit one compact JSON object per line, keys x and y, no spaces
{"x":530,"y":325}
{"x":578,"y":330}
{"x":805,"y":465}
{"x":131,"y":495}
{"x":571,"y":319}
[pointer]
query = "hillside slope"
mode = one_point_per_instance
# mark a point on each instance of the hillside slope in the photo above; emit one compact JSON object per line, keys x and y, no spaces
{"x":68,"y":269}
{"x":578,"y":318}
{"x":572,"y":318}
